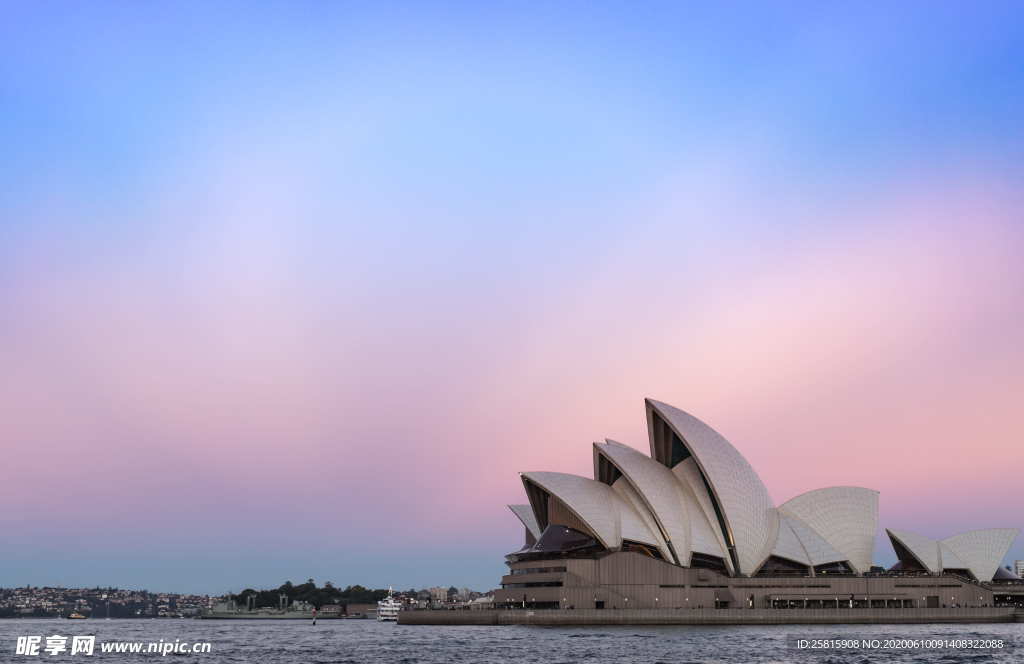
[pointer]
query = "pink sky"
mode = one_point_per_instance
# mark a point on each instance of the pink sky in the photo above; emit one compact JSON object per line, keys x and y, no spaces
{"x":878,"y":349}
{"x":313,"y":286}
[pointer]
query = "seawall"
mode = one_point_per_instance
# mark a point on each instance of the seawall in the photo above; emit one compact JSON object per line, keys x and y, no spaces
{"x":710,"y":616}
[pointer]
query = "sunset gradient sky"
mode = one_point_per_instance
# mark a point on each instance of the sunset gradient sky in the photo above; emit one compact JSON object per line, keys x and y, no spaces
{"x":294,"y":290}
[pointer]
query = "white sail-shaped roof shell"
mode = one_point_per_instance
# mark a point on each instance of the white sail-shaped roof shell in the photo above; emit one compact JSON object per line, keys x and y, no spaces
{"x":819,"y":551}
{"x":526,"y":516}
{"x":978,"y":551}
{"x":845,"y":516}
{"x":604,"y":512}
{"x":631,"y":528}
{"x":981,"y":551}
{"x":788,"y":545}
{"x":661,"y":492}
{"x":925,"y":549}
{"x":948,"y":559}
{"x":705,"y":535}
{"x":746,"y":507}
{"x":800,"y":543}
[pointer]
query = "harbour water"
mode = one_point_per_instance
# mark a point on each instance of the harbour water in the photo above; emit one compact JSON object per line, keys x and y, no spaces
{"x":371,"y":642}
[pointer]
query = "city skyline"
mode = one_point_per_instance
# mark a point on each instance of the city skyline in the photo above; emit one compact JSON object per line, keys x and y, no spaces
{"x":286,"y":291}
{"x":37,"y":602}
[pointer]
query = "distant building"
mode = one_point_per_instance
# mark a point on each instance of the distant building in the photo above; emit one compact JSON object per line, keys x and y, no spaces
{"x":330,"y":609}
{"x":1018,"y":568}
{"x":438,"y":595}
{"x":486,"y":602}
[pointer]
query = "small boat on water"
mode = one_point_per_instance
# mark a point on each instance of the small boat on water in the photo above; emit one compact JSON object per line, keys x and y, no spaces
{"x":75,"y":615}
{"x":387,"y":608}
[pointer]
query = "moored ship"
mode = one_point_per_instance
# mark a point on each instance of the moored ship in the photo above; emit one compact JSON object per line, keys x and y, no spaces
{"x":387,"y":608}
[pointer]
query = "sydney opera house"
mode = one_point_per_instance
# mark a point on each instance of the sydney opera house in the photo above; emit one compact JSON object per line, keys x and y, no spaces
{"x":692,"y":526}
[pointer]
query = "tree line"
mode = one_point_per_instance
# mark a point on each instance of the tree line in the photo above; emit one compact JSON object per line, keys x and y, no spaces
{"x":309,"y":592}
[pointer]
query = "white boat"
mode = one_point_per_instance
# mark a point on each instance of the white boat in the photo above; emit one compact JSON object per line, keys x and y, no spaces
{"x":387,"y":608}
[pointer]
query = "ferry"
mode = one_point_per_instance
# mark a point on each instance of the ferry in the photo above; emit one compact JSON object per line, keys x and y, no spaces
{"x":387,"y":608}
{"x":76,"y":616}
